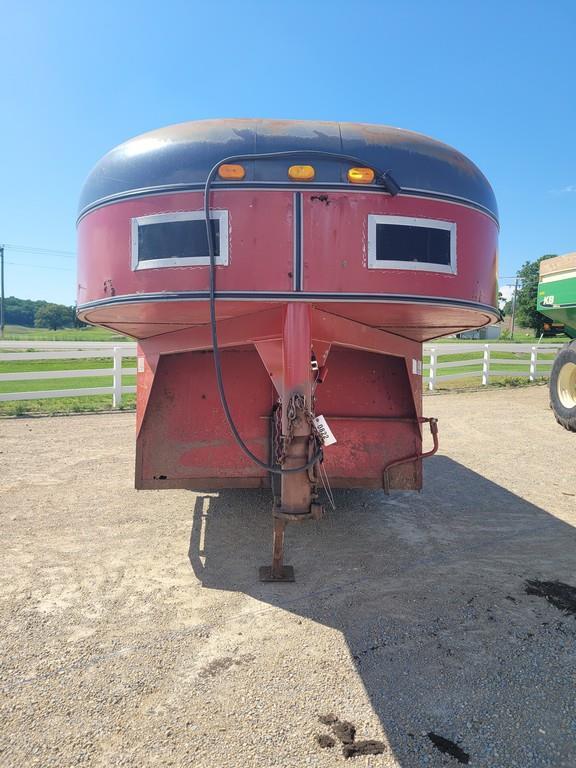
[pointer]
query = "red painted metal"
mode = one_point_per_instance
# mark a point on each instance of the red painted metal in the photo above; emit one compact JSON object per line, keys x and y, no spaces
{"x":183,"y":440}
{"x":334,"y":230}
{"x":362,"y":327}
{"x":261,"y":257}
{"x":261,"y":227}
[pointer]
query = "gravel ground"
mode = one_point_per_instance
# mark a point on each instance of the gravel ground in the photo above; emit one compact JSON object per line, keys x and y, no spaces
{"x":135,"y":632}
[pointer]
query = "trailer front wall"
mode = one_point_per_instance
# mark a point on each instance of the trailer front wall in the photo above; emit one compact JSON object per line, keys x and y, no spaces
{"x":283,"y":244}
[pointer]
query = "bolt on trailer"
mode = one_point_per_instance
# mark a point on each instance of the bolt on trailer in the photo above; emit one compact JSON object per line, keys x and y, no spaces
{"x":557,"y":301}
{"x":280,"y":277}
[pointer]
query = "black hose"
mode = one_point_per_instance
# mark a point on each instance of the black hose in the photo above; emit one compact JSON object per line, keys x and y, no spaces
{"x":392,"y":188}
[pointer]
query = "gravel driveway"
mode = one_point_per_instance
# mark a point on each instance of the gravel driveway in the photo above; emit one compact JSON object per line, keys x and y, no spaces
{"x":134,"y":630}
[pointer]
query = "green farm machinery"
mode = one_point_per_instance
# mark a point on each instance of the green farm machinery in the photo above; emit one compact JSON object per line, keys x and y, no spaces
{"x":557,"y":300}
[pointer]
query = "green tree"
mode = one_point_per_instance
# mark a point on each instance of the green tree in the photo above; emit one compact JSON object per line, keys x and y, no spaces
{"x":76,"y":320}
{"x":21,"y":311}
{"x":53,"y":316}
{"x":526,"y":297}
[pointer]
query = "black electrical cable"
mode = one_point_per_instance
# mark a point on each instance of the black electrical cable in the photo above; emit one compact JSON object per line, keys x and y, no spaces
{"x":383,"y":176}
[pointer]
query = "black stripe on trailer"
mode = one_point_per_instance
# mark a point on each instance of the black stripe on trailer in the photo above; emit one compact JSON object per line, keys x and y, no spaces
{"x":385,"y":298}
{"x":170,"y":189}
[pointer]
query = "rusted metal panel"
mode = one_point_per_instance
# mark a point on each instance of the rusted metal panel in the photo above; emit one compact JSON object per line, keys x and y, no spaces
{"x":185,"y":441}
{"x":184,"y":435}
{"x":365,"y":425}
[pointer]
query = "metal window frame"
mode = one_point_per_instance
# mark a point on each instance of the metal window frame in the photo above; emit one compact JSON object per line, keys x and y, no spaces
{"x":410,"y":221}
{"x":173,"y":216}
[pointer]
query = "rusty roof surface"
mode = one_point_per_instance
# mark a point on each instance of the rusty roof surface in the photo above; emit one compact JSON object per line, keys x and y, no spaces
{"x":180,"y":156}
{"x":558,"y":264}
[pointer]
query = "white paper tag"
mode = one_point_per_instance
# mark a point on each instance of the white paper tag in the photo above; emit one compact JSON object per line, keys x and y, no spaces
{"x":416,"y":367}
{"x":140,"y":365}
{"x":324,"y":431}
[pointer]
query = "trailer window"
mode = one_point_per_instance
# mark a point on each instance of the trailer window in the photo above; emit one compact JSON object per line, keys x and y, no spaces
{"x":402,"y":242}
{"x":178,"y":239}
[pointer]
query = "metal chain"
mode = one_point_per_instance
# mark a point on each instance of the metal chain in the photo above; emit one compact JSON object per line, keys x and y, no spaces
{"x":277,"y":427}
{"x":296,"y":405}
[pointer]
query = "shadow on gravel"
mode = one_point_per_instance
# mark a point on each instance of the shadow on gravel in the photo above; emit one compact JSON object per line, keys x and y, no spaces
{"x":429,"y":591}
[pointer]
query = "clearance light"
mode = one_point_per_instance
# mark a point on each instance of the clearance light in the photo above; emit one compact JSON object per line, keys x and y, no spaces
{"x":228,"y":171}
{"x":360,"y":175}
{"x":301,"y":172}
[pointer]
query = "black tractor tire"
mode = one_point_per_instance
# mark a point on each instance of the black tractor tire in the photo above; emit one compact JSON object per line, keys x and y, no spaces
{"x":563,"y":387}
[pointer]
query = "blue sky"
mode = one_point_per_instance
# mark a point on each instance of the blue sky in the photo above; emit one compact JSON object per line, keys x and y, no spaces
{"x":497,"y":80}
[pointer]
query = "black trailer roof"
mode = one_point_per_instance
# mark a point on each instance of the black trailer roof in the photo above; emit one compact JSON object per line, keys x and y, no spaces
{"x":179,"y":157}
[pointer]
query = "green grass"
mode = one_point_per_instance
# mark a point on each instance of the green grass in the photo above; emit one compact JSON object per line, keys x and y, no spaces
{"x":90,"y":333}
{"x":494,"y":369}
{"x":495,"y":383}
{"x":64,"y":405}
{"x":16,"y":366}
{"x":43,"y":385}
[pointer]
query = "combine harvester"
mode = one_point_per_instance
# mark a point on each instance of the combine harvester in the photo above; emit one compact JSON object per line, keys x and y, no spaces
{"x":557,"y":300}
{"x":280,"y":278}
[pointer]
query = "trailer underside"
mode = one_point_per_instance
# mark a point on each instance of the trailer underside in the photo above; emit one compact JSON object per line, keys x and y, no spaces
{"x":281,"y":368}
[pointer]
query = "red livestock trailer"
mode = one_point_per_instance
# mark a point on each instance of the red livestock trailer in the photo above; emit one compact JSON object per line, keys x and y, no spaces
{"x":276,"y":272}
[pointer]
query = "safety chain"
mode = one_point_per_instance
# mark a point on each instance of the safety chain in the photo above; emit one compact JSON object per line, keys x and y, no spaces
{"x":296,"y":405}
{"x":277,"y":433}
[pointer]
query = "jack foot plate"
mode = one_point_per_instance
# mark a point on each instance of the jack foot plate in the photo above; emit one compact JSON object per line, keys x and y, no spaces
{"x":266,"y":574}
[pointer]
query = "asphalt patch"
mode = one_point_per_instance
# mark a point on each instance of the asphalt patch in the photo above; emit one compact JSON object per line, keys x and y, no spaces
{"x":562,"y":596}
{"x":449,"y":748}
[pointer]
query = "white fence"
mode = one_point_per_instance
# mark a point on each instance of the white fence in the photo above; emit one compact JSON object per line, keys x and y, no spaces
{"x":482,"y":362}
{"x":10,"y":351}
{"x":487,"y":361}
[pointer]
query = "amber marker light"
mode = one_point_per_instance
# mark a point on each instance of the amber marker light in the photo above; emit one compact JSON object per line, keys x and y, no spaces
{"x":360,"y":175}
{"x":301,"y":172}
{"x":229,"y":171}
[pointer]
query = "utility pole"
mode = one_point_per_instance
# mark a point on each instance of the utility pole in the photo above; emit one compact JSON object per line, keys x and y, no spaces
{"x":514,"y":307}
{"x":1,"y":291}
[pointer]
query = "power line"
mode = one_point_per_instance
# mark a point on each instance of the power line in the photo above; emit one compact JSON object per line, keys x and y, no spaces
{"x":39,"y":266}
{"x":39,"y":250}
